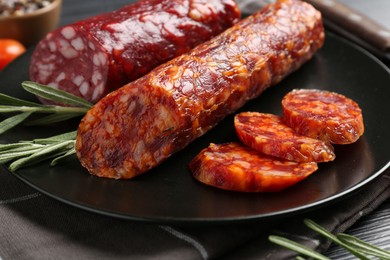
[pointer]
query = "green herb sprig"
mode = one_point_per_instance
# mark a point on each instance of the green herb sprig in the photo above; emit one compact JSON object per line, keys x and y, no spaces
{"x":357,"y":247}
{"x":26,"y":153}
{"x":52,"y":113}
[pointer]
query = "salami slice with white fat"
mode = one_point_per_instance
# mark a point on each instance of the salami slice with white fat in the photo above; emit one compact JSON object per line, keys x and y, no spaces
{"x":93,"y":57}
{"x":233,"y":166}
{"x":323,"y":115}
{"x":268,"y":134}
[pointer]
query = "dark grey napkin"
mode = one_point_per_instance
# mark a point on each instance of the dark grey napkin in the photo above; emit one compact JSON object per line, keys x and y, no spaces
{"x":34,"y":226}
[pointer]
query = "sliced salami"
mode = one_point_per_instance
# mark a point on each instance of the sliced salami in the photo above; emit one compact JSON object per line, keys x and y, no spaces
{"x":138,"y":126}
{"x":233,"y":166}
{"x":91,"y":58}
{"x":323,"y":115}
{"x":268,"y":134}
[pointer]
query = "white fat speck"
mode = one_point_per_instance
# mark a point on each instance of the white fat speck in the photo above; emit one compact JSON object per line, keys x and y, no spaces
{"x":168,"y":86}
{"x":109,"y":127}
{"x":139,"y":151}
{"x":91,"y":45}
{"x":84,"y":88}
{"x":187,"y":89}
{"x":102,"y":58}
{"x":97,"y":91}
{"x":53,"y":84}
{"x":95,"y":59}
{"x":44,"y":74}
{"x":52,"y":46}
{"x":131,"y":106}
{"x":60,"y":77}
{"x":69,"y":53}
{"x":78,"y":44}
{"x":63,"y":43}
{"x":50,"y":58}
{"x":97,"y":76}
{"x":244,"y":164}
{"x":78,"y":80}
{"x":68,"y":32}
{"x":274,"y":172}
{"x":124,"y":98}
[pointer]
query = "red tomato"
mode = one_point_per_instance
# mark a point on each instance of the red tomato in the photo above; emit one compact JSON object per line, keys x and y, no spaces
{"x":9,"y":50}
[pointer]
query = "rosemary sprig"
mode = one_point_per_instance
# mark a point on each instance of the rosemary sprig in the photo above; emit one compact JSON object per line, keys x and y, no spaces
{"x":355,"y":246}
{"x":26,"y":153}
{"x":76,"y":106}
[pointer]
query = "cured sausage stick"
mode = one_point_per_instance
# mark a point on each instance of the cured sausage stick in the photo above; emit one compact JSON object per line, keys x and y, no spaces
{"x":141,"y":124}
{"x":90,"y":58}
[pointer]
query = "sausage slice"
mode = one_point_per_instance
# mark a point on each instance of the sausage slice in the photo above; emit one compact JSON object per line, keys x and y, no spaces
{"x":268,"y":134}
{"x":323,"y":115}
{"x":233,"y":166}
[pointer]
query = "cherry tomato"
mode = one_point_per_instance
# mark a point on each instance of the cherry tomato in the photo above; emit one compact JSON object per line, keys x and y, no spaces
{"x":9,"y":50}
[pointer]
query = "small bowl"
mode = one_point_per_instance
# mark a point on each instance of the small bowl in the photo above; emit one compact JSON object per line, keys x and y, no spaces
{"x":29,"y":28}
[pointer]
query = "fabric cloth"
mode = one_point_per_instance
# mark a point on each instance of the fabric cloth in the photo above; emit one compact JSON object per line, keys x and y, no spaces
{"x":34,"y":226}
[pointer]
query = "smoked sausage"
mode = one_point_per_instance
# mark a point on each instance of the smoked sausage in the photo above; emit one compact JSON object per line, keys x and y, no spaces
{"x":138,"y":126}
{"x":90,"y":58}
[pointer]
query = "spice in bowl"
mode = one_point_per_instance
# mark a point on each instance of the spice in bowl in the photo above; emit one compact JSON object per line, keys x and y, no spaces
{"x":28,"y":21}
{"x":21,"y":7}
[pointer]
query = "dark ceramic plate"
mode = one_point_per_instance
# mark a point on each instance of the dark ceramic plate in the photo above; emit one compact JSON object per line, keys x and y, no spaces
{"x":169,"y":194}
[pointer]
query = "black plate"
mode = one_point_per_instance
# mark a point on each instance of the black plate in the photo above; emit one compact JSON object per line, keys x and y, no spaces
{"x":169,"y":194}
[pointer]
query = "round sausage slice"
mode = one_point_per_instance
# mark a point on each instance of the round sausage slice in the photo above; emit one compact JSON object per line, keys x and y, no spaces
{"x":323,"y":115}
{"x":268,"y":134}
{"x":233,"y":166}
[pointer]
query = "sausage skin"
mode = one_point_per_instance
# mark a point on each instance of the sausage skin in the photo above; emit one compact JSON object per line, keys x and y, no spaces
{"x":138,"y":126}
{"x":90,"y":58}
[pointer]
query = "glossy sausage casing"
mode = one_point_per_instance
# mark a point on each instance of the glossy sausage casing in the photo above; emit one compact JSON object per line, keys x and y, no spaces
{"x":92,"y":57}
{"x":143,"y":123}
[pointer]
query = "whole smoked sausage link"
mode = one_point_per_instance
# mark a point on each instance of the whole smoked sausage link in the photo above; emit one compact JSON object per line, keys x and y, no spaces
{"x":95,"y":56}
{"x":141,"y":124}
